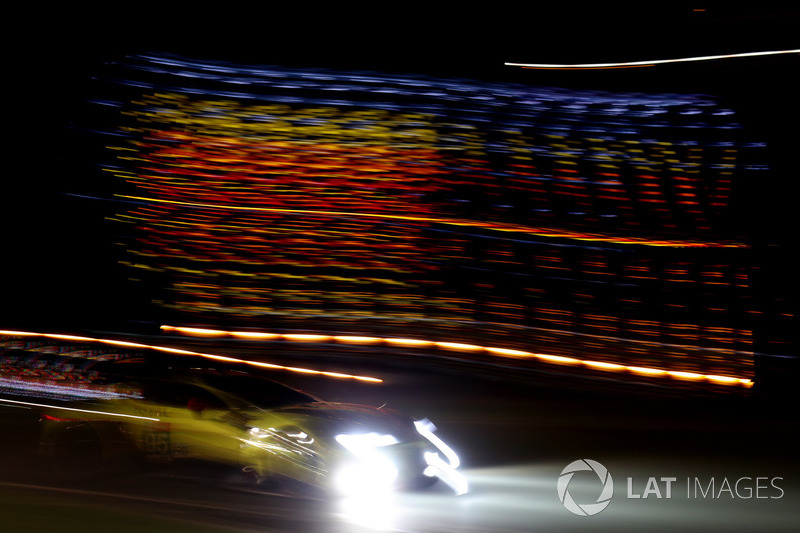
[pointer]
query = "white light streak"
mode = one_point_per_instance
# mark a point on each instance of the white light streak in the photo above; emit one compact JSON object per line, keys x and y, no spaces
{"x":426,"y":428}
{"x":452,"y":477}
{"x":104,"y":413}
{"x":648,"y":63}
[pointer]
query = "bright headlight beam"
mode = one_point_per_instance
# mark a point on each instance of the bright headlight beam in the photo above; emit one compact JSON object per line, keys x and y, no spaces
{"x":452,"y":477}
{"x":647,"y":63}
{"x":426,"y":428}
{"x":372,"y":471}
{"x":357,"y":443}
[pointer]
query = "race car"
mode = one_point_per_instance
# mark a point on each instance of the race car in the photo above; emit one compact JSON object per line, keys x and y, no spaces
{"x":232,"y":416}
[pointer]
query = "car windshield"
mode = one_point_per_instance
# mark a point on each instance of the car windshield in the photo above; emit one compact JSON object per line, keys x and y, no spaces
{"x":258,"y":392}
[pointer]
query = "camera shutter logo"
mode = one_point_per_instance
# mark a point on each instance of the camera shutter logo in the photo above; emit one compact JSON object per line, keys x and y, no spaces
{"x":588,"y":509}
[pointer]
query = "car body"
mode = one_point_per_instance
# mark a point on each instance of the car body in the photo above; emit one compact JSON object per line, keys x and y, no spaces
{"x":124,"y":408}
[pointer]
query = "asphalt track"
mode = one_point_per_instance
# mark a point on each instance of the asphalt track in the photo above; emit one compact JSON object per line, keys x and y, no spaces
{"x":515,"y":434}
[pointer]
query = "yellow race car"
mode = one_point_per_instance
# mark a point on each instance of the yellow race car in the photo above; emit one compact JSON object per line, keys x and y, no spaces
{"x":227,"y":415}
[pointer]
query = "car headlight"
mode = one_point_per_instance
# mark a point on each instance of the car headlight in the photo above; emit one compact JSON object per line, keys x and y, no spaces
{"x":369,"y":470}
{"x":359,"y":443}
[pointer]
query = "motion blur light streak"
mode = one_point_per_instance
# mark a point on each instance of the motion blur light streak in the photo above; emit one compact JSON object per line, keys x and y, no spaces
{"x":444,"y":470}
{"x":554,"y":233}
{"x":426,"y":428}
{"x":73,"y":409}
{"x":501,"y":352}
{"x":261,"y":364}
{"x":46,"y":389}
{"x":376,"y":512}
{"x":539,"y":220}
{"x":453,"y":478}
{"x":651,"y":62}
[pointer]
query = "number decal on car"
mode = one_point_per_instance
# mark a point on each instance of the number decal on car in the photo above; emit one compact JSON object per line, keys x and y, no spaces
{"x":156,"y":443}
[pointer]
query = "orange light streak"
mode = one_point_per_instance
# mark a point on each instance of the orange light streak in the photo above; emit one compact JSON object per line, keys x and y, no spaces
{"x":199,"y":332}
{"x":497,"y":226}
{"x":495,"y":351}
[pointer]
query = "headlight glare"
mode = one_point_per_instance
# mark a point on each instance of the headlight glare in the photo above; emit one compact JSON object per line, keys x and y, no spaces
{"x":438,"y":467}
{"x":370,"y":470}
{"x":358,"y":443}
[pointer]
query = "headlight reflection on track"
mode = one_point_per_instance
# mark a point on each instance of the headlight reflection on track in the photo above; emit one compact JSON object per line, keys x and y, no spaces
{"x":371,"y":511}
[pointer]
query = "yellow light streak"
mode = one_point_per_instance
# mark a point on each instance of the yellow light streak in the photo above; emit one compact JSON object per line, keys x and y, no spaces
{"x":208,"y":332}
{"x":354,"y":339}
{"x":303,"y":337}
{"x":459,"y":346}
{"x":647,"y":371}
{"x":408,"y":342}
{"x":255,"y":335}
